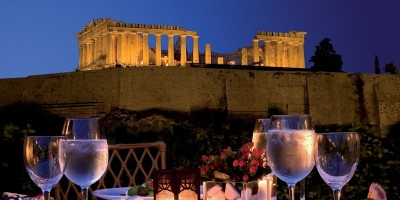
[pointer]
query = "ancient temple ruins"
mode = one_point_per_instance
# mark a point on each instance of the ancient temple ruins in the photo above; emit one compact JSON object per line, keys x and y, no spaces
{"x":280,"y":49}
{"x":107,"y":43}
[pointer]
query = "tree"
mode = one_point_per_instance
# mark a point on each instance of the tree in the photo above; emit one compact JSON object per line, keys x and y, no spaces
{"x":377,"y":69}
{"x":391,"y":68}
{"x":325,"y":58}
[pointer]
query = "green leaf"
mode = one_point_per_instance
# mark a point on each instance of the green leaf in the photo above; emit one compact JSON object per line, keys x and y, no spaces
{"x":133,"y":190}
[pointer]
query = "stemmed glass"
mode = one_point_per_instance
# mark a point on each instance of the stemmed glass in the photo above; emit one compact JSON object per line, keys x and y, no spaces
{"x":259,"y":139}
{"x":87,"y":151}
{"x":44,"y":162}
{"x":290,"y":148}
{"x":337,"y":158}
{"x":260,"y":133}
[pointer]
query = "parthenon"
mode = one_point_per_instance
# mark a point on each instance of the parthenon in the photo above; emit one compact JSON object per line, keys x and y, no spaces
{"x":281,"y":49}
{"x":106,"y":43}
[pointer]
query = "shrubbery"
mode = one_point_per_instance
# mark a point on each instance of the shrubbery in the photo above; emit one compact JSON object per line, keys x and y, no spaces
{"x":189,"y":137}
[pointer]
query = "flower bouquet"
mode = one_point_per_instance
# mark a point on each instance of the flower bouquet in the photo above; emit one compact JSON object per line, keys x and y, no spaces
{"x":235,"y":174}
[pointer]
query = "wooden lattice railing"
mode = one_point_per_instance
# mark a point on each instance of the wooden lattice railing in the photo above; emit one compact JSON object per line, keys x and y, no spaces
{"x":128,"y":165}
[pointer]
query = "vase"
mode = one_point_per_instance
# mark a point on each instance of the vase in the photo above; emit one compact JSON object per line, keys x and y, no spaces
{"x":253,"y":190}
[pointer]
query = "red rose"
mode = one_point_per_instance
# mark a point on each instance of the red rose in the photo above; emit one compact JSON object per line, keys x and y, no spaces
{"x":245,"y":149}
{"x":253,"y":168}
{"x":211,"y":157}
{"x":242,"y":163}
{"x":223,"y":155}
{"x":245,"y":177}
{"x":235,"y":163}
{"x":203,"y":170}
{"x":250,"y":144}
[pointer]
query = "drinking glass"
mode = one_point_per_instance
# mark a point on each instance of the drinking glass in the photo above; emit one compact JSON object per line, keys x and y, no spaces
{"x":44,"y":162}
{"x":259,"y":139}
{"x":260,"y":133}
{"x":290,"y":148}
{"x":337,"y":158}
{"x":86,"y":148}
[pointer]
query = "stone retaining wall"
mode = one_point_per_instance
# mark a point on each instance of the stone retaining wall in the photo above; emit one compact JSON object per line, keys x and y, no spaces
{"x":332,"y":98}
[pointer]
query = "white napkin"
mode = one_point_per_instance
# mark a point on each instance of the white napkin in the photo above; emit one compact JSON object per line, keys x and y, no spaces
{"x":16,"y":196}
{"x":135,"y":197}
{"x":376,"y":192}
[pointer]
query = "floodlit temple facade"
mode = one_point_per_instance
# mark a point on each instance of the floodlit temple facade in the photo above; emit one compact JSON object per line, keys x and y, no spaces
{"x":106,"y":43}
{"x":280,"y":49}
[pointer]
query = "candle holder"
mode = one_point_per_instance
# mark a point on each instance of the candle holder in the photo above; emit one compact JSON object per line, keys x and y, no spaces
{"x":188,"y":184}
{"x":165,"y":185}
{"x":176,"y":184}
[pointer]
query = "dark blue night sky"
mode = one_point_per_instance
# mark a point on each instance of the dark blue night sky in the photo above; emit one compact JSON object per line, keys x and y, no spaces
{"x":38,"y":37}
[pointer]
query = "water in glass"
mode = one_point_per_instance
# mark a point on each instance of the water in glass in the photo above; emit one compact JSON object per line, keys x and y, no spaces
{"x":87,"y":151}
{"x":290,"y":149}
{"x":87,"y":160}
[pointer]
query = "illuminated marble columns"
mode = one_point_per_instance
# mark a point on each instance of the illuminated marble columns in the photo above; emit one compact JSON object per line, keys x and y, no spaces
{"x":104,"y":40}
{"x":256,"y":55}
{"x":119,"y":47}
{"x":244,"y":56}
{"x":208,"y":54}
{"x":82,"y":57}
{"x":135,"y":49}
{"x":145,"y":49}
{"x":195,"y":49}
{"x":183,"y":50}
{"x":89,"y":52}
{"x":158,"y":49}
{"x":113,"y":43}
{"x":279,"y":54}
{"x":94,"y":46}
{"x":125,"y":49}
{"x":283,"y":49}
{"x":267,"y":53}
{"x":112,"y":49}
{"x":85,"y":54}
{"x":285,"y":55}
{"x":301,"y":55}
{"x":129,"y":48}
{"x":220,"y":60}
{"x":171,"y":50}
{"x":105,"y":47}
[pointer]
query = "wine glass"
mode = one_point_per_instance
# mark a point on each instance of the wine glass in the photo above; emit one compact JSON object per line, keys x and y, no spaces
{"x":86,"y":148}
{"x":290,"y":148}
{"x":260,"y":133}
{"x":44,"y":162}
{"x":337,"y":158}
{"x":259,"y":139}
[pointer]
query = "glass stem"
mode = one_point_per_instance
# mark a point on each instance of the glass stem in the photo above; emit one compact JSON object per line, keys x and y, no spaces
{"x":302,"y":189}
{"x":336,"y":194}
{"x":85,"y":193}
{"x":46,"y":194}
{"x":274,"y":194}
{"x":291,"y":192}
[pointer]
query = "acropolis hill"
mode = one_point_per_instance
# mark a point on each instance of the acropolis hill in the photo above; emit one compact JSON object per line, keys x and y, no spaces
{"x":243,"y":92}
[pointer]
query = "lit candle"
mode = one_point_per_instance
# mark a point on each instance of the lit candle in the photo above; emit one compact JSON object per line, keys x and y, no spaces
{"x":265,"y":187}
{"x":165,"y":195}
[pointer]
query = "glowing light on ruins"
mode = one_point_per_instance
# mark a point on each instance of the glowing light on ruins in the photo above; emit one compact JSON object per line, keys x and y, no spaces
{"x":106,"y":43}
